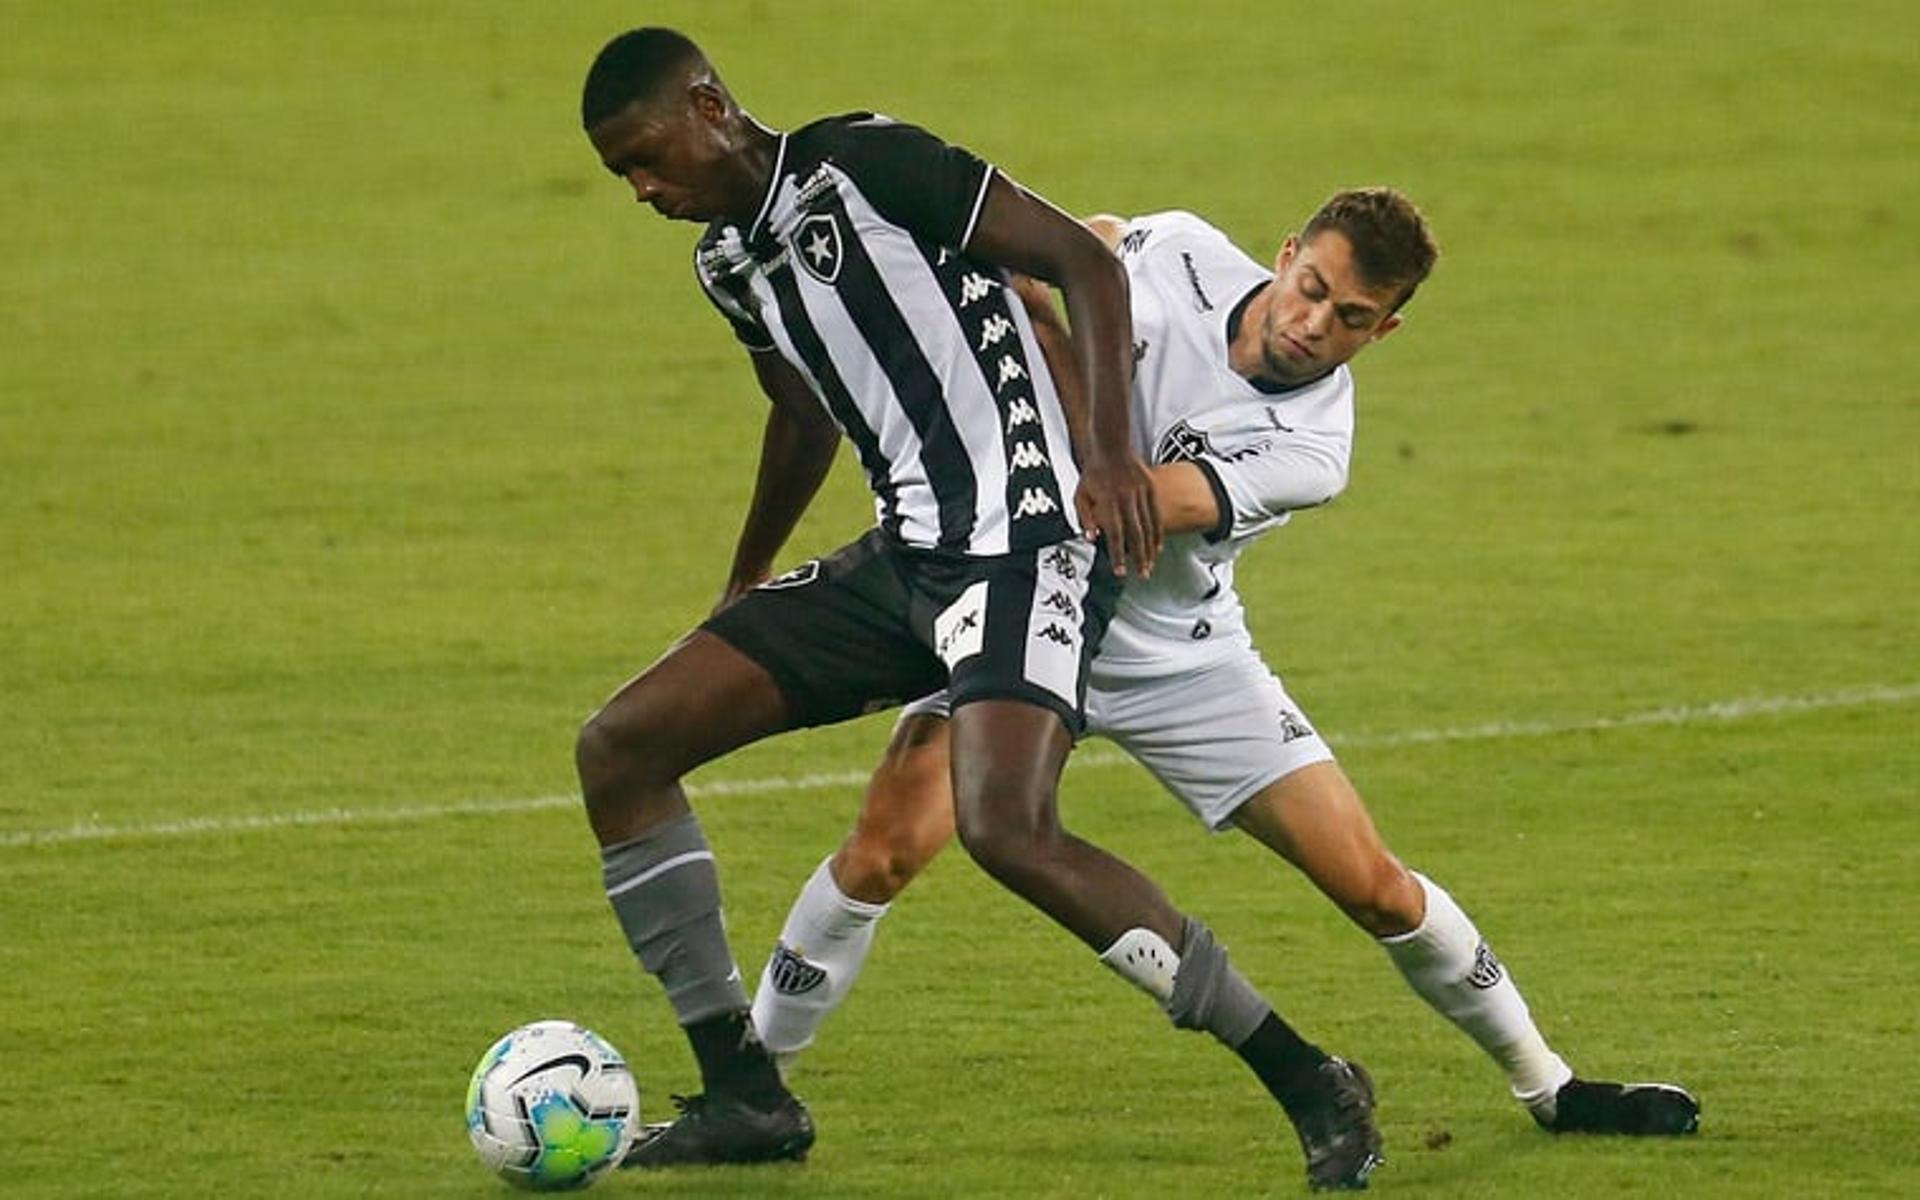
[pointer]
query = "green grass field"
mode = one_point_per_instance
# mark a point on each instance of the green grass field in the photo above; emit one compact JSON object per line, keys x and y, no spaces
{"x":358,"y":435}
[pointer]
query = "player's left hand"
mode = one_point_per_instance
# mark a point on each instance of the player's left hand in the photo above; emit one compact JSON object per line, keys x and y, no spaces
{"x":1115,"y":501}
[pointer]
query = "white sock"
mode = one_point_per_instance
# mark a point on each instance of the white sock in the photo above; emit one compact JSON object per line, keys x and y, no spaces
{"x":1448,"y":964}
{"x":821,"y":950}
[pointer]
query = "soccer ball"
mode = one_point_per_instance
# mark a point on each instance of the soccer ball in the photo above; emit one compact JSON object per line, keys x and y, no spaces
{"x":552,"y":1107}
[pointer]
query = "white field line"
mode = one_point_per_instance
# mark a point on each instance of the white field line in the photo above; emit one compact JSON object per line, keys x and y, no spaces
{"x":1873,"y":695}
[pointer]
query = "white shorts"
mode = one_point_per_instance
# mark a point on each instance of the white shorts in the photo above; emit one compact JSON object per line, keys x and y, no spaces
{"x":1212,"y":736}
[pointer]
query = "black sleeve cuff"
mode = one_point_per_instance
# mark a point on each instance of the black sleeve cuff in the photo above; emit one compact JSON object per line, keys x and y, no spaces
{"x":1224,"y":526}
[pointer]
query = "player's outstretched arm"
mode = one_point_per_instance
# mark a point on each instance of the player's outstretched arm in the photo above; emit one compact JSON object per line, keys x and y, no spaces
{"x":796,"y":451}
{"x":1020,"y":230}
{"x":1183,"y":496}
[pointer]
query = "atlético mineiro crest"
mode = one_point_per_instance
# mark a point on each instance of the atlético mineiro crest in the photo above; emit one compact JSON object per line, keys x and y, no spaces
{"x":1487,"y":971}
{"x":816,"y":243}
{"x":793,"y":975}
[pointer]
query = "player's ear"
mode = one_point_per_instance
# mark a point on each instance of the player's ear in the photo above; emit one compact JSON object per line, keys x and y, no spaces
{"x":1385,"y":327}
{"x":708,"y":99}
{"x":1287,"y":250}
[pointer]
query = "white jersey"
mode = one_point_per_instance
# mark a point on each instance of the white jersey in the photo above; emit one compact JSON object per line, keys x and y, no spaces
{"x":1267,"y":453}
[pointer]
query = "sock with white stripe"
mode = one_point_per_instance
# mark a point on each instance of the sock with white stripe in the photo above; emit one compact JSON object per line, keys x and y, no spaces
{"x":1447,"y":962}
{"x":821,"y":950}
{"x":666,"y":891}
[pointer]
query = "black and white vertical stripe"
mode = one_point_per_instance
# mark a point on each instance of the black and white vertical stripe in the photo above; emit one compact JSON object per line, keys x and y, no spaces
{"x":923,"y":355}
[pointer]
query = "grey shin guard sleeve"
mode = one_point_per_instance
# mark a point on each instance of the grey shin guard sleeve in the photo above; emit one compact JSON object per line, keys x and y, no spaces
{"x":1209,"y":994}
{"x":666,"y":891}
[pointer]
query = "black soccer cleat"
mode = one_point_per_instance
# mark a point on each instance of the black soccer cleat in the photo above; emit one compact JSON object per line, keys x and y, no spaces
{"x":1632,"y":1109}
{"x":721,"y":1129}
{"x":1334,"y":1119}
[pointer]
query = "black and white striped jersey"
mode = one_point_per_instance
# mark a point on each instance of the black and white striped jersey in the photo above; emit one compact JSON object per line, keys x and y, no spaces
{"x":855,"y":271}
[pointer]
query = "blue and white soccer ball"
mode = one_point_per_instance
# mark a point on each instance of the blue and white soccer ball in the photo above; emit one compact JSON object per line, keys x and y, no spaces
{"x":552,"y":1107}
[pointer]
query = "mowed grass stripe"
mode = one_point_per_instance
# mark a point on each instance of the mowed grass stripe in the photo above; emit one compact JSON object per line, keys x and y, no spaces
{"x":1746,"y":708}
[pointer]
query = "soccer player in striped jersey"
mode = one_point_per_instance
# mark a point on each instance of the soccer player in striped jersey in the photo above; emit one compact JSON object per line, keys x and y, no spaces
{"x":1243,"y":398}
{"x":863,"y":264}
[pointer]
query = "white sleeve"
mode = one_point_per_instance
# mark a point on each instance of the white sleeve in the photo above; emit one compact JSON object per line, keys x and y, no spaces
{"x":1257,"y":487}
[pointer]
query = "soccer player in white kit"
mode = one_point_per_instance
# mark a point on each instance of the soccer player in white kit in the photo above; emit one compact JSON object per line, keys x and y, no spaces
{"x":1243,"y":401}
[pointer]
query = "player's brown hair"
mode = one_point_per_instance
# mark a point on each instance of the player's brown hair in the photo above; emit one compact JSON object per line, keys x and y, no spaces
{"x":1392,"y":245}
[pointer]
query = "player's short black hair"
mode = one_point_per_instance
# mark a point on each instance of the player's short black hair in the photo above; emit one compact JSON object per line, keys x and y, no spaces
{"x":633,"y":67}
{"x":1391,"y":243}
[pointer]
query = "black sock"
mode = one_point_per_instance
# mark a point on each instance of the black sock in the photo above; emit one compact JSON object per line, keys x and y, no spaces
{"x":733,"y":1062}
{"x":1283,"y":1060}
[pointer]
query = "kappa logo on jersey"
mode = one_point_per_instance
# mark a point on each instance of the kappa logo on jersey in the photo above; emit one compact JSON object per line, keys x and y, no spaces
{"x":817,"y":245}
{"x":1202,"y":630}
{"x":801,"y":575}
{"x":1027,"y":457}
{"x":1061,"y":563}
{"x":1292,"y":728}
{"x":1061,"y":603}
{"x":1034,"y":503}
{"x":1010,"y":370}
{"x":993,"y":329}
{"x":793,"y":975}
{"x":1193,"y":281}
{"x":1133,"y":241}
{"x":1487,"y":971}
{"x":1021,"y":412}
{"x":1053,"y":633}
{"x":975,"y":286}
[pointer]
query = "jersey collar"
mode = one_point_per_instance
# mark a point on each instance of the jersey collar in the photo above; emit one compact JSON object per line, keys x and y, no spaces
{"x":773,"y":189}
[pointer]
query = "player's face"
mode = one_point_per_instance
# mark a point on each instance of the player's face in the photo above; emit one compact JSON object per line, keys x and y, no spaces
{"x":674,"y":157}
{"x":1322,"y":311}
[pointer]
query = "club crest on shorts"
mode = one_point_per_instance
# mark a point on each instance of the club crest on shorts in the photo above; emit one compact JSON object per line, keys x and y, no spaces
{"x":816,"y":243}
{"x":1292,"y":728}
{"x":793,"y":975}
{"x":800,"y":576}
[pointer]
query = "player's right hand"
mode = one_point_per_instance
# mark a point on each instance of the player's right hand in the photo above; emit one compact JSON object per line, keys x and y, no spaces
{"x":1115,"y":501}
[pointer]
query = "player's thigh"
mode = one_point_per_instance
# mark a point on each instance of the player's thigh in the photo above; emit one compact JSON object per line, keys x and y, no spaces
{"x":1006,"y":760}
{"x":835,"y":635}
{"x":1315,"y":819}
{"x":1214,"y":735}
{"x":701,"y":699}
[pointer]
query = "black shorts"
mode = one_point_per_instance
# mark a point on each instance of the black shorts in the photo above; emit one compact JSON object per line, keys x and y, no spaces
{"x":876,"y":624}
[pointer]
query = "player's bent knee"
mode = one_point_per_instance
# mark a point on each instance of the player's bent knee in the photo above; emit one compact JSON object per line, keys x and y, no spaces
{"x":1390,"y":903}
{"x":1015,"y":856}
{"x":876,"y":872}
{"x":619,"y":743}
